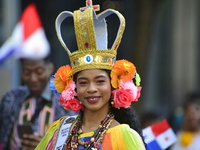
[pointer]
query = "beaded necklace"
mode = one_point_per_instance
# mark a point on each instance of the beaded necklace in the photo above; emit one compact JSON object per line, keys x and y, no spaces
{"x":96,"y":140}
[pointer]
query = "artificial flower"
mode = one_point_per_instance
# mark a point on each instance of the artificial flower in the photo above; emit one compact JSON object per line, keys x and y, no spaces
{"x":63,"y":77}
{"x":52,"y":86}
{"x":62,"y":101}
{"x":73,"y":104}
{"x":130,"y":87}
{"x":122,"y":70}
{"x":137,"y":79}
{"x":122,"y":98}
{"x":67,"y":98}
{"x":186,"y":138}
{"x":126,"y":94}
{"x":139,"y":88}
{"x":69,"y":93}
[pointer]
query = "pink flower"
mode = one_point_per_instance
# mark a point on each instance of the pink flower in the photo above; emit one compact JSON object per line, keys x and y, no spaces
{"x":72,"y":104}
{"x":69,"y":92}
{"x":139,"y":88}
{"x":122,"y":98}
{"x":126,"y":94}
{"x":62,"y":100}
{"x":130,"y":87}
{"x":67,"y":99}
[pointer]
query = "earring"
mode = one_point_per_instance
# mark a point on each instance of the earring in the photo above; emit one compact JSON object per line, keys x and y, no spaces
{"x":112,"y":100}
{"x":80,"y":102}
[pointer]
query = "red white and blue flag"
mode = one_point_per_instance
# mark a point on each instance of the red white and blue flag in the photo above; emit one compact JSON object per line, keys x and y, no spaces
{"x":28,"y":39}
{"x":159,"y":136}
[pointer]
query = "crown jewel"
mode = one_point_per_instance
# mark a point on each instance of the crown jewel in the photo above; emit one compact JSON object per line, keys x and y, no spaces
{"x":91,"y":36}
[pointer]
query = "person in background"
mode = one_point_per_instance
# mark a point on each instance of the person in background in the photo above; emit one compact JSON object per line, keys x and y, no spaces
{"x":189,"y":133}
{"x":27,"y":111}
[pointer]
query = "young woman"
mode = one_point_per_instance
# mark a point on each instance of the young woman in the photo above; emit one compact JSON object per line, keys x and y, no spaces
{"x":99,"y":125}
{"x":96,"y":86}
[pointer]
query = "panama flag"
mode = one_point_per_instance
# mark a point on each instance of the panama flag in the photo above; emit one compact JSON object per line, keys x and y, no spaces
{"x":28,"y":39}
{"x":159,"y":136}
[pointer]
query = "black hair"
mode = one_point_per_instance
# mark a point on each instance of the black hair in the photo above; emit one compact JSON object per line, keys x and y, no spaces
{"x":127,"y":116}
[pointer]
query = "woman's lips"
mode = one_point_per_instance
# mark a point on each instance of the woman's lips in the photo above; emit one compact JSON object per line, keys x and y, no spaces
{"x":92,"y":99}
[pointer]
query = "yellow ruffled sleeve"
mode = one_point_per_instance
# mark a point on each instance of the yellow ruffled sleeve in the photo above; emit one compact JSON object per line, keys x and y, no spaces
{"x":122,"y":137}
{"x":45,"y":140}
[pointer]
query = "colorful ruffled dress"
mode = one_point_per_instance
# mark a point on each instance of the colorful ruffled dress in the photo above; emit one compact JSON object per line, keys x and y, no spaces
{"x":120,"y":137}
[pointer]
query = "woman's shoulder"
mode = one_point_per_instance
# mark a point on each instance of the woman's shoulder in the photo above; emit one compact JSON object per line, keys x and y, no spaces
{"x":63,"y":120}
{"x":118,"y":127}
{"x":52,"y":133}
{"x":125,"y":130}
{"x":121,"y":127}
{"x":122,"y":133}
{"x":56,"y":123}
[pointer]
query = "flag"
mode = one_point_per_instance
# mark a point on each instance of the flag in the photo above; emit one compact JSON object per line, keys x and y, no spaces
{"x":28,"y":39}
{"x":159,"y":136}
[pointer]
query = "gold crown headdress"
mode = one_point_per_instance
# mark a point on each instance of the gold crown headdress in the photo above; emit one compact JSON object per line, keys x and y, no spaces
{"x":91,"y":36}
{"x":92,"y":53}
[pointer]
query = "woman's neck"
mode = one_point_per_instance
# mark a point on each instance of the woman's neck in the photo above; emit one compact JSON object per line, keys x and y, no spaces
{"x":92,"y":120}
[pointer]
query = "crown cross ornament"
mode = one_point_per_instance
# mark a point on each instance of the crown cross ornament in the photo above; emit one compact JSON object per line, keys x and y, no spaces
{"x":91,"y":37}
{"x":89,"y":5}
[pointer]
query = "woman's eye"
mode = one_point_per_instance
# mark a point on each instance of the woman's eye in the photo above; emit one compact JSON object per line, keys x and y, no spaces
{"x":101,"y":81}
{"x":82,"y":83}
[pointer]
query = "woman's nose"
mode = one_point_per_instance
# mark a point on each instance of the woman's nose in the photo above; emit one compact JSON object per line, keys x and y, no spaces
{"x":91,"y":88}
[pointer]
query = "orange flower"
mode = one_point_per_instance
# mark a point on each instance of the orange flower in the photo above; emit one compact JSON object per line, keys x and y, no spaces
{"x":122,"y":70}
{"x":63,"y":77}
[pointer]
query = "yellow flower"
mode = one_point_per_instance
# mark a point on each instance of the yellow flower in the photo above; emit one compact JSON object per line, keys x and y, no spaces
{"x":186,"y":138}
{"x":63,"y":77}
{"x":122,"y":70}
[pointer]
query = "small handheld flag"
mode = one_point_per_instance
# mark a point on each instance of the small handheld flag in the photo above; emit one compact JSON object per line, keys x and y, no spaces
{"x":159,"y":136}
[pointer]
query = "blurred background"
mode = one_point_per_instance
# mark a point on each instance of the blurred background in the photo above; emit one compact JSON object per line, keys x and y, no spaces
{"x":161,"y":38}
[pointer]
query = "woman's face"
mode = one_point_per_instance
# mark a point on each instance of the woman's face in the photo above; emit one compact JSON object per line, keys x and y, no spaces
{"x":94,"y":89}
